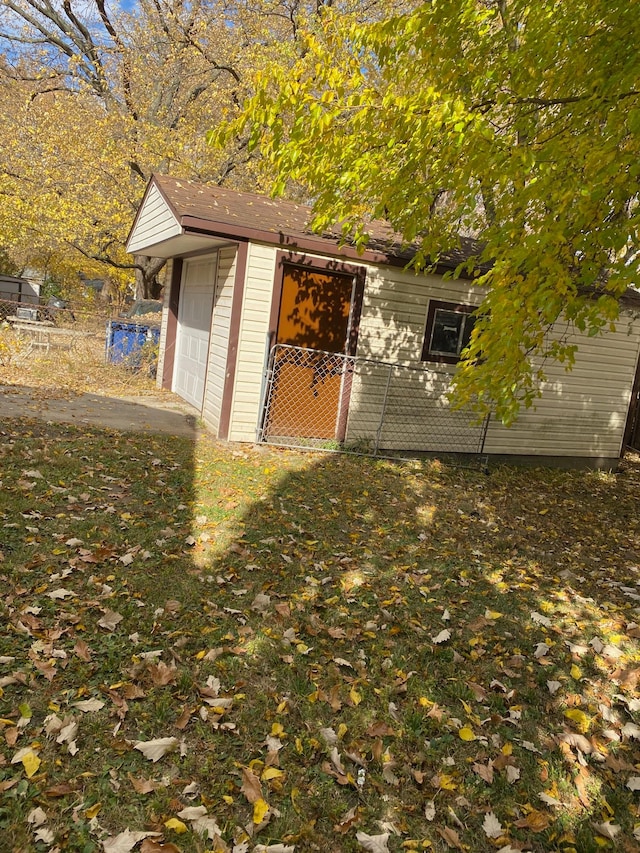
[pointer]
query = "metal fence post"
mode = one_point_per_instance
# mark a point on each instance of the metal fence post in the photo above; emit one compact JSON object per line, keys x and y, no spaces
{"x":382,"y":412}
{"x":265,"y":387}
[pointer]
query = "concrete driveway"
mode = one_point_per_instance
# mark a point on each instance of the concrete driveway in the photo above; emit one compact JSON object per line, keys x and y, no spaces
{"x":127,"y":414}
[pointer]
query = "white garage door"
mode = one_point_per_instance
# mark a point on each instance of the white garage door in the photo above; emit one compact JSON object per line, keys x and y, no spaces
{"x":194,"y":322}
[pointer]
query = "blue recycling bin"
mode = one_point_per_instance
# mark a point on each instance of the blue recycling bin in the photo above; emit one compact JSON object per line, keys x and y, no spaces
{"x":126,"y":340}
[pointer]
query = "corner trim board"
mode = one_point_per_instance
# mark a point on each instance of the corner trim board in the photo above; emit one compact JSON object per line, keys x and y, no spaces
{"x":172,"y":325}
{"x":234,"y":337}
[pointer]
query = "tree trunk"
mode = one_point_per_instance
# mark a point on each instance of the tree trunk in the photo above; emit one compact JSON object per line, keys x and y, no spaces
{"x":148,"y":285}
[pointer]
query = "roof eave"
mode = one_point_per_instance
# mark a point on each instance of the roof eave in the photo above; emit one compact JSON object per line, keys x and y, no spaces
{"x":307,"y":242}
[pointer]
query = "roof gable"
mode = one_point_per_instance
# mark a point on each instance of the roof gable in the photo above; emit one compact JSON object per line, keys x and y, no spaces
{"x":155,"y":221}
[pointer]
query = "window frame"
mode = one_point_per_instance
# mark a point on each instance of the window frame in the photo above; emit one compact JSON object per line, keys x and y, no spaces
{"x":434,"y":306}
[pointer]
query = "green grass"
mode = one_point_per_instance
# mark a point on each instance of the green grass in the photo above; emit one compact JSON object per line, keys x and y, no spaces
{"x":307,"y":590}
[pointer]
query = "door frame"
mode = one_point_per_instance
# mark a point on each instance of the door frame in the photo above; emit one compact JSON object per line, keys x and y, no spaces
{"x":631,"y":437}
{"x":172,"y":324}
{"x":323,"y":265}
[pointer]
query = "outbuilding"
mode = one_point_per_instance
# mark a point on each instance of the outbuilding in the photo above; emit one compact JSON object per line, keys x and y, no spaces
{"x":275,"y":333}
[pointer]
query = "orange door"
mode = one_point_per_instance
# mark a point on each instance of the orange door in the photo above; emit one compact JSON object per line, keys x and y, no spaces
{"x":307,"y":386}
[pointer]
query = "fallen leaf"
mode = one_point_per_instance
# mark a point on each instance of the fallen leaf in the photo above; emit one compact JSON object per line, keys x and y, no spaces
{"x":161,"y":674}
{"x":535,"y":821}
{"x":542,"y":649}
{"x":260,"y":809}
{"x":45,"y":835}
{"x":356,"y":698}
{"x":155,"y":749}
{"x":610,"y":651}
{"x":125,"y":841}
{"x":334,"y":755}
{"x":271,"y":773}
{"x":37,"y":817}
{"x":484,"y":771}
{"x":579,"y":718}
{"x":60,"y":790}
{"x":68,"y":731}
{"x":373,"y":843}
{"x":141,"y":786}
{"x":549,"y":799}
{"x":478,"y":691}
{"x":607,"y":829}
{"x":31,"y":763}
{"x":442,"y":637}
{"x":89,"y":705}
{"x":251,"y":787}
{"x":492,"y":826}
{"x":192,"y":812}
{"x":513,"y":773}
{"x":380,"y":729}
{"x":451,"y":837}
{"x":110,"y":620}
{"x":347,"y":821}
{"x":631,"y":730}
{"x":444,"y":782}
{"x":60,"y":593}
{"x":183,"y":720}
{"x":176,"y":825}
{"x":11,"y":735}
{"x":150,"y":846}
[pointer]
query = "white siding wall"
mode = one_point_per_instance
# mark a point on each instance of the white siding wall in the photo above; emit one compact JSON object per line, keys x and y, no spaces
{"x":580,"y":414}
{"x":155,"y":223}
{"x":417,"y":415}
{"x":163,"y":324}
{"x":219,"y":340}
{"x":394,"y":311}
{"x":254,"y":325}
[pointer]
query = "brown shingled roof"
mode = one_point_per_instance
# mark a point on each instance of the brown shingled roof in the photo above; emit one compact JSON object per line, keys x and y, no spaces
{"x":202,"y":208}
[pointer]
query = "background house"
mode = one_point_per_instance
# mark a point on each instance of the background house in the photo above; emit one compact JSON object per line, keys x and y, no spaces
{"x":16,"y":289}
{"x":247,"y":275}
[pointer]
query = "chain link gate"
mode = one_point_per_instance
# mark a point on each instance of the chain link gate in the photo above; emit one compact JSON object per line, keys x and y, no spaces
{"x":331,"y":401}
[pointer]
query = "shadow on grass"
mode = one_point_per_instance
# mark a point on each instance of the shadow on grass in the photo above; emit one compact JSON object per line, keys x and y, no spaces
{"x":455,"y":625}
{"x":374,"y":643}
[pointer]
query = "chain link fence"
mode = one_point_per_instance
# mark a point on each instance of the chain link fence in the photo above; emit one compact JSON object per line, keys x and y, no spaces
{"x":31,"y":328}
{"x":74,"y":315}
{"x":330,"y":401}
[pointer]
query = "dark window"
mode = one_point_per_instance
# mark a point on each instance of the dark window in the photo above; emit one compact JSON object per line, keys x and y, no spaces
{"x":448,"y":331}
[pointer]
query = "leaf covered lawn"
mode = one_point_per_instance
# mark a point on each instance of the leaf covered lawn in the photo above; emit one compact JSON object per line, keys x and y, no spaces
{"x":216,"y":649}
